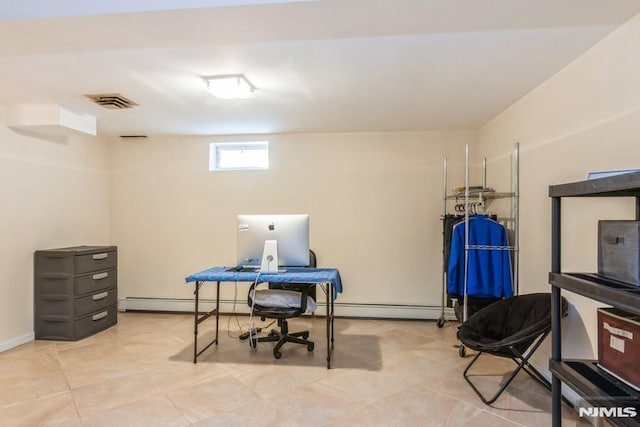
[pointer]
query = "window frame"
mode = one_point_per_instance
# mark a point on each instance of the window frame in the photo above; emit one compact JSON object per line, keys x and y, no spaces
{"x":215,"y":148}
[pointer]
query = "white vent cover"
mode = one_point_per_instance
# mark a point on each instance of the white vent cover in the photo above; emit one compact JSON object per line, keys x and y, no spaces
{"x":113,"y":101}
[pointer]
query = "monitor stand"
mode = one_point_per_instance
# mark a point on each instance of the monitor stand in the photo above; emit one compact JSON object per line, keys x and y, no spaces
{"x":270,"y":257}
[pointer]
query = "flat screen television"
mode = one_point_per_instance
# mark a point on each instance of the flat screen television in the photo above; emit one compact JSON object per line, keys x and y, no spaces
{"x":290,"y":231}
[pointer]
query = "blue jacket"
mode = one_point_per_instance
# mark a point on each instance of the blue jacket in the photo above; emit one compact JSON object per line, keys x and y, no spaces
{"x":489,"y":270}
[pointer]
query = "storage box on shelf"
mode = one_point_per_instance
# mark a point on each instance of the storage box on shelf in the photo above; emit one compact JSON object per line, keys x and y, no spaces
{"x":619,"y":344}
{"x":594,"y":385}
{"x":75,"y":291}
{"x":618,"y":250}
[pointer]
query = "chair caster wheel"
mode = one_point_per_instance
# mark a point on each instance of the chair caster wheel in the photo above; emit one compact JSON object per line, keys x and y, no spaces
{"x":273,"y":333}
{"x":461,"y":351}
{"x":277,"y":354}
{"x":440,"y":322}
{"x":305,"y":336}
{"x":310,"y":347}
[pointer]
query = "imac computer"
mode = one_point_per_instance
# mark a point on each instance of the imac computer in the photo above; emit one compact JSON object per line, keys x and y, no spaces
{"x":256,"y":237}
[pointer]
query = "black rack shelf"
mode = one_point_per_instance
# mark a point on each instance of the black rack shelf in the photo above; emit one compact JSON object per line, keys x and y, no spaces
{"x":612,"y":186}
{"x":592,"y":384}
{"x":620,"y":294}
{"x":597,"y":387}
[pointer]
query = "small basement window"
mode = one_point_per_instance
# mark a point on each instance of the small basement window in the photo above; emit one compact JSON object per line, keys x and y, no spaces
{"x":238,"y":155}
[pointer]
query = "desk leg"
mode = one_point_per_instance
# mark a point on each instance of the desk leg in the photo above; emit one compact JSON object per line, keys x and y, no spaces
{"x":217,"y":309}
{"x":332,"y":314}
{"x":329,"y":323}
{"x":198,"y":320}
{"x":195,"y":323}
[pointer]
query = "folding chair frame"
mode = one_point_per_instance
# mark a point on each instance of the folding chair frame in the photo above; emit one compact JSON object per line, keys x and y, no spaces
{"x":521,"y":360}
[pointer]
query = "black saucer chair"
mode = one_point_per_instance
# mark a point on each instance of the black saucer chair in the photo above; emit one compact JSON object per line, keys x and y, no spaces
{"x":512,"y":328}
{"x":289,"y":300}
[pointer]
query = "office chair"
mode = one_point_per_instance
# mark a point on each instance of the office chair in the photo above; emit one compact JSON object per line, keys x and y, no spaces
{"x":284,"y":301}
{"x":513,"y":328}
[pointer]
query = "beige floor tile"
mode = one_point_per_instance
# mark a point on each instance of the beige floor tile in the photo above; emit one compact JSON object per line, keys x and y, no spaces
{"x":71,"y":356}
{"x":30,"y":350}
{"x":450,"y":381}
{"x":413,"y":367}
{"x":316,"y":404}
{"x":262,"y":414}
{"x":154,"y":411}
{"x":267,"y":382}
{"x":485,"y":418}
{"x":528,"y":408}
{"x":36,"y":360}
{"x":364,"y":385}
{"x":22,"y":385}
{"x":140,"y":372}
{"x":111,"y":394}
{"x":100,"y":370}
{"x":415,"y":406}
{"x":212,"y":398}
{"x":177,"y":375}
{"x":105,"y":336}
{"x":55,"y":409}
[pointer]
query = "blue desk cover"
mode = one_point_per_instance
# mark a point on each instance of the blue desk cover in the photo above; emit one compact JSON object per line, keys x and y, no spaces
{"x":292,"y":275}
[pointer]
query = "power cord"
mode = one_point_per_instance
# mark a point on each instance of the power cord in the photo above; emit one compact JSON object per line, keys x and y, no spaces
{"x":234,"y":314}
{"x":243,"y":336}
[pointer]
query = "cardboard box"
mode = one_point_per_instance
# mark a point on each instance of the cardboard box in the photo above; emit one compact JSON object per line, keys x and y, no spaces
{"x":619,"y":344}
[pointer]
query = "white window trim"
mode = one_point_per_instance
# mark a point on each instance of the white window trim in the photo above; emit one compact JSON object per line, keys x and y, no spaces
{"x":215,"y":148}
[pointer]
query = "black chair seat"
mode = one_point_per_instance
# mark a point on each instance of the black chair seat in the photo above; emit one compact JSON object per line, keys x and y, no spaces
{"x":512,"y":328}
{"x":276,"y":312}
{"x":283,"y":336}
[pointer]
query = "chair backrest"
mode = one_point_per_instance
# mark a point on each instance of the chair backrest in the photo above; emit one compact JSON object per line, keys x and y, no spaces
{"x":295,"y":286}
{"x":511,"y":316}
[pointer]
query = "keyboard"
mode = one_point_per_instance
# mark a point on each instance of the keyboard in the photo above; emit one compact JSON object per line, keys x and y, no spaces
{"x":241,"y":269}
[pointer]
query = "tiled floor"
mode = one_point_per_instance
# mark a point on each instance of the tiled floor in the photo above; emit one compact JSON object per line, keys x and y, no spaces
{"x":140,"y":373}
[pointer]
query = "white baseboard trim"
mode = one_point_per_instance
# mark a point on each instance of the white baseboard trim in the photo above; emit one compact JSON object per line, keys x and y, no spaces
{"x":14,"y":342}
{"x":345,"y":309}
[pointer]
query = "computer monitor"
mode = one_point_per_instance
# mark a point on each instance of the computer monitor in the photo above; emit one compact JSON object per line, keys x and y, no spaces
{"x":290,"y":231}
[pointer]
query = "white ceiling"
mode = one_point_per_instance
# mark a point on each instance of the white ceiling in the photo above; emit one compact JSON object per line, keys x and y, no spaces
{"x":320,"y":66}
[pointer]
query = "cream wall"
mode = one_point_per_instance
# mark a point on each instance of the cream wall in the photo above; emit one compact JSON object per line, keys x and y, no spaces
{"x":374,"y":200}
{"x":55,"y":192}
{"x":585,"y":118}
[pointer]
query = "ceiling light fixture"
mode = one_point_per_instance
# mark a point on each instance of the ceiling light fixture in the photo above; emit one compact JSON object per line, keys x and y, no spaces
{"x":230,"y":86}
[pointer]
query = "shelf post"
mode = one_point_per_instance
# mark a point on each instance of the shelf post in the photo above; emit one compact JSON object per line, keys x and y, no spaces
{"x":515,"y":211}
{"x":556,"y":312}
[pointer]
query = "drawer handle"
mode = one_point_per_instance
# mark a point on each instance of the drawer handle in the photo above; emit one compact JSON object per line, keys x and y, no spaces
{"x":100,"y":276}
{"x":100,"y":256}
{"x":613,"y":240}
{"x":100,"y":315}
{"x":100,"y":296}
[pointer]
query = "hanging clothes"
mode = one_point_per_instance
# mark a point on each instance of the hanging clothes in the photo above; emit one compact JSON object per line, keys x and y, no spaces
{"x":448,"y":221}
{"x":489,"y":268}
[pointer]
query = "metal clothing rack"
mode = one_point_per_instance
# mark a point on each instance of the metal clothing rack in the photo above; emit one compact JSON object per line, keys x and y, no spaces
{"x":482,"y":195}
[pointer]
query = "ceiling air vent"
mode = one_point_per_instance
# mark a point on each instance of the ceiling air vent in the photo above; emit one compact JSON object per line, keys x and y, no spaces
{"x":113,"y":101}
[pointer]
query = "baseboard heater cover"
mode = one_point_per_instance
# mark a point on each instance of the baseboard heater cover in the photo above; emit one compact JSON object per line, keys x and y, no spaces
{"x":382,"y":311}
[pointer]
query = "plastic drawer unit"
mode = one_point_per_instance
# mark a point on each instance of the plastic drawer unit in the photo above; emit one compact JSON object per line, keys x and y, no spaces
{"x":75,"y":291}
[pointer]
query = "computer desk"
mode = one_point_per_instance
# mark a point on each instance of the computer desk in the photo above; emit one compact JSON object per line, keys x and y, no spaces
{"x":327,"y":278}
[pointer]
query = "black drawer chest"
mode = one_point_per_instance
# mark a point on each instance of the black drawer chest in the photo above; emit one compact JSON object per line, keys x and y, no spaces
{"x":75,"y":291}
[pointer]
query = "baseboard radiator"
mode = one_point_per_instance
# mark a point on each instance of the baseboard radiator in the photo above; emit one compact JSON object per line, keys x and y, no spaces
{"x":381,"y":311}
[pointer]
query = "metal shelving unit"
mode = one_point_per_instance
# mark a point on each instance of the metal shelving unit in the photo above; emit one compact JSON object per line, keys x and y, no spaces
{"x":592,"y":384}
{"x":483,"y":196}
